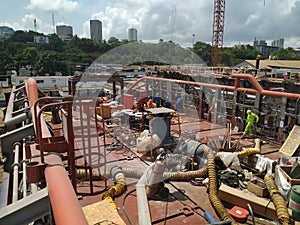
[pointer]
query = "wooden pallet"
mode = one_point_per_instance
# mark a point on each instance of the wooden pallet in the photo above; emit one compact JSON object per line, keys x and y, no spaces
{"x":102,"y":213}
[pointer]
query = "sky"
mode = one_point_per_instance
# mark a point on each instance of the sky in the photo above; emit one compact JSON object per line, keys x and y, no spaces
{"x":184,"y":22}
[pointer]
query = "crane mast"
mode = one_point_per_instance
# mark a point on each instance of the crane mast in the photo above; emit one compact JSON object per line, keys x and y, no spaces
{"x":218,"y":32}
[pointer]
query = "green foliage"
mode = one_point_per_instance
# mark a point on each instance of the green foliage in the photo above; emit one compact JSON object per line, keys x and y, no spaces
{"x":285,"y":54}
{"x":203,"y":50}
{"x":19,"y":51}
{"x":230,"y":56}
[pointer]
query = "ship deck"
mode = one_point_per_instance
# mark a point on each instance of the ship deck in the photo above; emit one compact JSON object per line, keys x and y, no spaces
{"x":186,"y":202}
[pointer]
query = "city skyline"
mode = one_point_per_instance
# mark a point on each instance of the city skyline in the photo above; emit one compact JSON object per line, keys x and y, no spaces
{"x":156,"y":19}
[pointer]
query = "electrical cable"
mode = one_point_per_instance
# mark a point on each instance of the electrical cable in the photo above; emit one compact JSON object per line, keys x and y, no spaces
{"x":166,"y":213}
{"x":124,"y":208}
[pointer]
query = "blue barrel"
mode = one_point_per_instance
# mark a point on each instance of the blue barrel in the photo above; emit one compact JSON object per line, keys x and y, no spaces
{"x":295,"y":202}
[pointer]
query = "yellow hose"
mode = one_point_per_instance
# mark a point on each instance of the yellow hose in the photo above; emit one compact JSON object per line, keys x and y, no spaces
{"x":278,"y":200}
{"x":171,"y":176}
{"x":83,"y":173}
{"x":245,"y":152}
{"x":213,"y":188}
{"x":115,"y":190}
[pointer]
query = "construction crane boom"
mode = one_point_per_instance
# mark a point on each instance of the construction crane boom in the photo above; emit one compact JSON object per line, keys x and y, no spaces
{"x":218,"y":32}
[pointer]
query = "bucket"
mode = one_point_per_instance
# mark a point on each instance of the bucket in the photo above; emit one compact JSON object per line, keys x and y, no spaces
{"x":106,"y":113}
{"x":295,"y":202}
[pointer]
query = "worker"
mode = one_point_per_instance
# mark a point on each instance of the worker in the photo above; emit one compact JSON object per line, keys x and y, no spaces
{"x":251,"y":118}
{"x":150,"y":102}
{"x":178,"y":105}
{"x":157,"y":100}
{"x":167,"y":103}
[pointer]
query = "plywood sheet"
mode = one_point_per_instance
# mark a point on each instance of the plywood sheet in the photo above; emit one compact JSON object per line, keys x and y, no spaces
{"x":292,"y":143}
{"x":260,"y":206}
{"x":102,"y":213}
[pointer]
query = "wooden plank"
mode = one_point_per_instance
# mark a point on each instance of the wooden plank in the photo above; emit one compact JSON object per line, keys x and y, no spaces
{"x":260,"y":206}
{"x":102,"y":213}
{"x":292,"y":143}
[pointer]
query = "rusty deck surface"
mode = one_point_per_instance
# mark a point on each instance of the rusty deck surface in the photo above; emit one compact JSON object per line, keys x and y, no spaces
{"x":185,"y":204}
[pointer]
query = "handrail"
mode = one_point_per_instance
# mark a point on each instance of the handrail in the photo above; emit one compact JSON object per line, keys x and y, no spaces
{"x":257,"y":87}
{"x":65,"y":206}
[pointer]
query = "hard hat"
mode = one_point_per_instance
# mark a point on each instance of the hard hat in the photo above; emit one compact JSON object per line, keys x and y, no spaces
{"x":248,"y":111}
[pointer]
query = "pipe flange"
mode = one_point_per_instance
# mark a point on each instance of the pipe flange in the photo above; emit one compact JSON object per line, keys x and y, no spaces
{"x":16,"y":143}
{"x":115,"y":170}
{"x":16,"y":164}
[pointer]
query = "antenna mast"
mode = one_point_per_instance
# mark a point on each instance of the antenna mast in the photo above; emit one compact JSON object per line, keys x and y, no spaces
{"x":53,"y":23}
{"x":34,"y":24}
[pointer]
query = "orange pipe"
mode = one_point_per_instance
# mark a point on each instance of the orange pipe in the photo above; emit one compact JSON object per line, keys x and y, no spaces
{"x":65,"y":206}
{"x":238,"y":77}
{"x":254,"y":82}
{"x":32,"y":91}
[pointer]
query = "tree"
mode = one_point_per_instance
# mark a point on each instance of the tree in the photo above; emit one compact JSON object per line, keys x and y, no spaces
{"x":5,"y":61}
{"x":28,"y":58}
{"x":50,"y":62}
{"x":55,"y":44}
{"x":203,"y":50}
{"x":114,"y":42}
{"x":285,"y":54}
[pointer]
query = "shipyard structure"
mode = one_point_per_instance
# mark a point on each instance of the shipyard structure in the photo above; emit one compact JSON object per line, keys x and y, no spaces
{"x":159,"y":145}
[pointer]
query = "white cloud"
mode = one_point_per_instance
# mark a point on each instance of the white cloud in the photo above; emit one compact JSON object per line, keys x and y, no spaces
{"x":165,"y":19}
{"x":53,"y":5}
{"x":27,"y":23}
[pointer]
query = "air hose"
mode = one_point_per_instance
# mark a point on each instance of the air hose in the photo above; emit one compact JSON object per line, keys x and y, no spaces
{"x":213,"y":188}
{"x":84,"y":173}
{"x":171,"y":176}
{"x":118,"y":188}
{"x":245,"y":152}
{"x":278,"y":200}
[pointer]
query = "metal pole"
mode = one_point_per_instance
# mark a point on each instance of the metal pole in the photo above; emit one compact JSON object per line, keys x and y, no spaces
{"x":24,"y":172}
{"x":143,"y":207}
{"x":16,"y":172}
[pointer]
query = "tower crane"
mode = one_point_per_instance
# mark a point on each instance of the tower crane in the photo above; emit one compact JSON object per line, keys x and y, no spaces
{"x":218,"y":32}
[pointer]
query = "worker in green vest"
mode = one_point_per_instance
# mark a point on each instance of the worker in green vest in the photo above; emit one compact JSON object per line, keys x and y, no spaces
{"x":251,"y":117}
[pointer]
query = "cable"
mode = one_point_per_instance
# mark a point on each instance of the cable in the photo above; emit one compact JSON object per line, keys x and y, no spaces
{"x":124,"y":208}
{"x":166,"y":213}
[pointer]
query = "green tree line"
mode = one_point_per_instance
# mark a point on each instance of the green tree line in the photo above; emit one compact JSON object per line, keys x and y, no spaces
{"x":19,"y":51}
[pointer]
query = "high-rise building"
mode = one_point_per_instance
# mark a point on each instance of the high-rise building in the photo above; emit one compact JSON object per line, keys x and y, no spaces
{"x":96,"y":30}
{"x":132,"y":34}
{"x":64,"y":32}
{"x":261,"y":46}
{"x":278,"y":43}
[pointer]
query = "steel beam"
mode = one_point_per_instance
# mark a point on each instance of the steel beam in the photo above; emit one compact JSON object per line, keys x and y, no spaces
{"x":27,"y":209}
{"x":9,"y":138}
{"x":12,"y":122}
